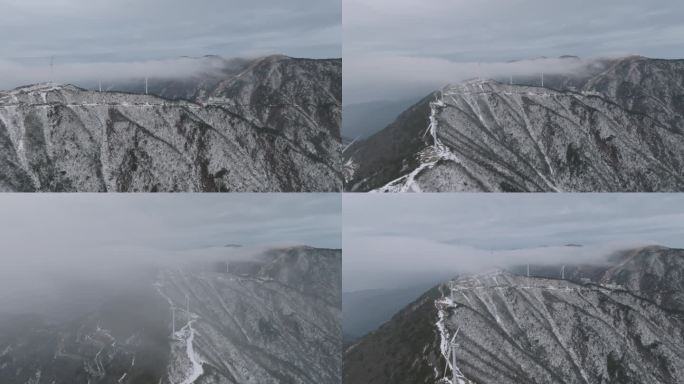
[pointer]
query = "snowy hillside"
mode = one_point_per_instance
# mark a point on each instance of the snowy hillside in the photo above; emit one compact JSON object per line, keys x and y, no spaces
{"x":626,"y":326}
{"x":273,"y":127}
{"x":275,"y":319}
{"x":618,"y":130}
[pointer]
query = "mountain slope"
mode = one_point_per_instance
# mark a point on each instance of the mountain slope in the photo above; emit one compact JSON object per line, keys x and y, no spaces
{"x":123,"y":337}
{"x":622,"y":131}
{"x":278,"y":322}
{"x":505,"y":328}
{"x":272,"y":319}
{"x":364,"y":311}
{"x":62,"y":138}
{"x":364,"y":119}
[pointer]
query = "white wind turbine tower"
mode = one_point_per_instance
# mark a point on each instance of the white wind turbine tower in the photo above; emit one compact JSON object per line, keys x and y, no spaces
{"x":99,"y":81}
{"x":451,"y":290}
{"x":528,"y":270}
{"x":563,"y":272}
{"x":146,"y":85}
{"x":456,"y":375}
{"x":52,"y":68}
{"x":453,"y":357}
{"x":542,"y":79}
{"x":187,"y":306}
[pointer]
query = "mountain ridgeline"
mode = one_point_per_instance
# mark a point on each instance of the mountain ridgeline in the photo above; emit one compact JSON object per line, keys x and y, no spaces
{"x":618,"y":126}
{"x":272,"y":319}
{"x":266,"y":125}
{"x":617,"y":323}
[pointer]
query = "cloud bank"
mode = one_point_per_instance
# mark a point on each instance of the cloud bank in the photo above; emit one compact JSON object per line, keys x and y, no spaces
{"x":54,"y":240}
{"x":14,"y":74}
{"x":419,"y":39}
{"x":400,"y":240}
{"x":372,"y":77}
{"x":95,"y":37}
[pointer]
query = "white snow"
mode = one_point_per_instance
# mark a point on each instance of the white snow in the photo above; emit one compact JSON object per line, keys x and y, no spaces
{"x":196,"y":369}
{"x":6,"y":351}
{"x":429,"y":158}
{"x":447,"y":344}
{"x":185,"y":335}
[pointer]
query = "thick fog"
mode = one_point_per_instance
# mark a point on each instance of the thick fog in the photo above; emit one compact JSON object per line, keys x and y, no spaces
{"x":372,"y":76}
{"x":111,"y":38}
{"x":14,"y":74}
{"x":400,"y":240}
{"x":399,"y":48}
{"x":70,"y":248}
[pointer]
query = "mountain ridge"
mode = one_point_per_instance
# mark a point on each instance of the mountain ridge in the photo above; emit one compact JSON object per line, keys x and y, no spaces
{"x":272,"y":321}
{"x":622,"y":326}
{"x":65,"y":138}
{"x":621,"y":131}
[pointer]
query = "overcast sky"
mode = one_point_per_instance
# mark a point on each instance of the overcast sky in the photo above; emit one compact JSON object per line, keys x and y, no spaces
{"x":397,"y":47}
{"x":402,"y":239}
{"x":140,"y":31}
{"x":96,"y":236}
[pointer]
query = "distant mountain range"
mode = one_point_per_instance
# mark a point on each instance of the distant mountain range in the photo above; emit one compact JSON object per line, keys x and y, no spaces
{"x":272,"y":319}
{"x":620,"y":322}
{"x":271,"y":124}
{"x":618,"y":126}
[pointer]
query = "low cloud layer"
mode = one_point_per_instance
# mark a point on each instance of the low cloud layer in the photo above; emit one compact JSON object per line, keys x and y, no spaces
{"x":427,"y":44}
{"x":372,"y":77}
{"x":400,"y":240}
{"x":92,"y":35}
{"x":14,"y":74}
{"x":51,"y":240}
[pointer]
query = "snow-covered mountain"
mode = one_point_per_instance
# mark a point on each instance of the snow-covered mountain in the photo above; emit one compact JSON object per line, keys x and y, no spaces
{"x":620,"y":323}
{"x":273,"y":126}
{"x":620,"y":129}
{"x":272,"y":319}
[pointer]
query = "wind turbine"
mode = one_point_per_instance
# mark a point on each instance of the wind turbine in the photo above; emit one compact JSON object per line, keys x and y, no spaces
{"x":528,"y":270}
{"x":454,"y":369}
{"x":542,"y":79}
{"x":451,"y":290}
{"x":146,"y":85}
{"x":187,"y":306}
{"x":100,"y":84}
{"x":563,"y":272}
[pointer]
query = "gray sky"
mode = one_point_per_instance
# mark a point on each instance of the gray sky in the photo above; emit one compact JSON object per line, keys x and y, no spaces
{"x":143,"y":31}
{"x":401,"y":239}
{"x":49,"y":238}
{"x":395,"y":47}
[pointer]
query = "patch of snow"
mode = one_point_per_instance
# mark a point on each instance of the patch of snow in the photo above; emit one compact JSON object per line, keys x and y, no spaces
{"x":196,"y":362}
